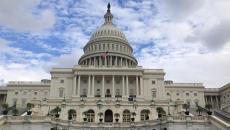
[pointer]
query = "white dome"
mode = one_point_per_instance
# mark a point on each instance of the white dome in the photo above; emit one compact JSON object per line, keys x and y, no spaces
{"x":108,"y":41}
{"x":108,"y":30}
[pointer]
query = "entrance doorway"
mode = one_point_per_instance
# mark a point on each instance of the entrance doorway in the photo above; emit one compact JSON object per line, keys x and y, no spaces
{"x":108,"y":116}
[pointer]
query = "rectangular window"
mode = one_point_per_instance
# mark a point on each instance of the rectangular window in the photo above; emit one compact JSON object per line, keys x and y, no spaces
{"x":61,"y":92}
{"x":153,"y":94}
{"x":153,"y":82}
{"x":187,"y":94}
{"x":195,"y":94}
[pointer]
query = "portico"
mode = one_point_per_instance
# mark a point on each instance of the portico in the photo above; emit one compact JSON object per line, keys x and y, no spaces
{"x":108,"y":86}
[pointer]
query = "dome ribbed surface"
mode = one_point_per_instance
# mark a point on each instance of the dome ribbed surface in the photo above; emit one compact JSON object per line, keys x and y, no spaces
{"x":108,"y":30}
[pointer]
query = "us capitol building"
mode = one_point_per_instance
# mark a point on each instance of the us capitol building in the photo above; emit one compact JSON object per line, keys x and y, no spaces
{"x":108,"y":84}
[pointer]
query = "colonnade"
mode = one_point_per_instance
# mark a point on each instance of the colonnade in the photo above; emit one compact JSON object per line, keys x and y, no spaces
{"x":108,"y":61}
{"x":214,"y":100}
{"x":91,"y":85}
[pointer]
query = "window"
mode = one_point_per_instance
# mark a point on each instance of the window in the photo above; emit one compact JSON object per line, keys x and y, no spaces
{"x":62,"y":81}
{"x":168,"y":94}
{"x":187,"y":94}
{"x":177,"y":94}
{"x":90,"y":116}
{"x":61,"y":92}
{"x":153,"y":82}
{"x":108,"y":91}
{"x":144,"y":115}
{"x":16,"y":93}
{"x":126,"y":116}
{"x":98,"y":92}
{"x":195,"y":94}
{"x":35,"y":93}
{"x":153,"y":94}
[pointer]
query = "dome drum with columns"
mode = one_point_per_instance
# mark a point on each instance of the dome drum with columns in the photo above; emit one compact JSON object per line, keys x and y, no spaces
{"x":108,"y":47}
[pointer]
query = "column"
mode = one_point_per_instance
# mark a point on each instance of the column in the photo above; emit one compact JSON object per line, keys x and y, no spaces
{"x":93,"y":80}
{"x":127,"y":85}
{"x":105,"y":60}
{"x":123,"y":86}
{"x":212,"y":102}
{"x":79,"y":86}
{"x":88,"y":95}
{"x":206,"y":100}
{"x":121,"y":61}
{"x":103,"y":87}
{"x":137,"y":87}
{"x":111,"y":58}
{"x":100,"y":61}
{"x":74,"y":85}
{"x":4,"y":99}
{"x":141,"y":85}
{"x":115,"y":61}
{"x":90,"y":61}
{"x":113,"y":91}
{"x":216,"y":102}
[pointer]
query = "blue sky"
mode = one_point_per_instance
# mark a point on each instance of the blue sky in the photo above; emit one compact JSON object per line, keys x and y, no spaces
{"x":189,"y":39}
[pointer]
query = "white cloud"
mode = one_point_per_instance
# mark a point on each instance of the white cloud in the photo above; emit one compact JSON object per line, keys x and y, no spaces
{"x":23,"y":65}
{"x":19,"y":15}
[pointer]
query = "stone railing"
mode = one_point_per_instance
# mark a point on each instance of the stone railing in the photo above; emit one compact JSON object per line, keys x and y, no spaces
{"x":171,"y":119}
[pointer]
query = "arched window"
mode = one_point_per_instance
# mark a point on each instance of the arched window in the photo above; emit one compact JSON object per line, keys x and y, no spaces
{"x":90,"y":116}
{"x":145,"y":115}
{"x":126,"y":116}
{"x":72,"y":114}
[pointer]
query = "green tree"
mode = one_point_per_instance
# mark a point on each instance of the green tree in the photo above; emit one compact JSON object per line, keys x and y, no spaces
{"x":208,"y":106}
{"x":15,"y":112}
{"x":5,"y":109}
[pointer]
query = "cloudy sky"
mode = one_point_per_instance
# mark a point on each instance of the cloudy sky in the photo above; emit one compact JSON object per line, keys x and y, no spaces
{"x":189,"y":39}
